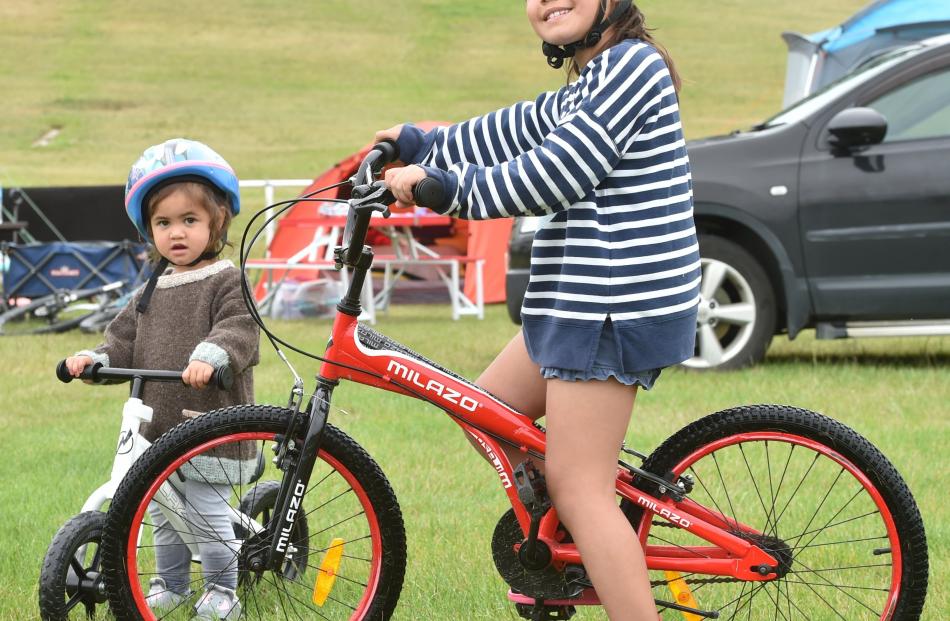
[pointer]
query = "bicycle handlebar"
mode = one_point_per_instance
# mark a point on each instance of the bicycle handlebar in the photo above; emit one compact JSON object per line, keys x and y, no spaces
{"x":221,"y":378}
{"x":370,"y":195}
{"x":428,"y":193}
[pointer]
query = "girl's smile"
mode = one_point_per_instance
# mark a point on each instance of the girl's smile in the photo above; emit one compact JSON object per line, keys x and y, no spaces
{"x":562,"y":21}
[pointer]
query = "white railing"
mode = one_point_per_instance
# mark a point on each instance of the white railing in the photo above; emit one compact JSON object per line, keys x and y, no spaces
{"x":269,"y":185}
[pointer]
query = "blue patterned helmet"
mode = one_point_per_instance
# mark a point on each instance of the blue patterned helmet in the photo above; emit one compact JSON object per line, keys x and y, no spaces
{"x":173,"y":158}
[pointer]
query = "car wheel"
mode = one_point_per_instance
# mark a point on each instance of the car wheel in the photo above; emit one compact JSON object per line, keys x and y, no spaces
{"x":736,"y":318}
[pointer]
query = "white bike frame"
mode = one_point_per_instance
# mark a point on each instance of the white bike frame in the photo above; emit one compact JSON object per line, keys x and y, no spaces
{"x":131,"y":446}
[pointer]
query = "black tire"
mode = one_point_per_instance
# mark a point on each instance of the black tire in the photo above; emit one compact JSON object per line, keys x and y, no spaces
{"x":71,"y":585}
{"x":737,"y":312}
{"x":838,"y":547}
{"x":258,"y":503}
{"x":348,"y":499}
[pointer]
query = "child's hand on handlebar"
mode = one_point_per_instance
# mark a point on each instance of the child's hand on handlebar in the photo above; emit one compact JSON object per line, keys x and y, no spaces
{"x":401,"y":182}
{"x":389,"y":134}
{"x":197,"y":374}
{"x":75,"y":364}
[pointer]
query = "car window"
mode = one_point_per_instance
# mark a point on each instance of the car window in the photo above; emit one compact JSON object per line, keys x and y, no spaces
{"x":919,"y":109}
{"x":819,"y":99}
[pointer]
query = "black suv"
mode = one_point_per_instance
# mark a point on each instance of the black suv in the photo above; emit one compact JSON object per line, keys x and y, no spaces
{"x":834,"y":214}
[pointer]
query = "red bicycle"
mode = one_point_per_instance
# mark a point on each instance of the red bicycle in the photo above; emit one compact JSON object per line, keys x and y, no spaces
{"x":758,"y":512}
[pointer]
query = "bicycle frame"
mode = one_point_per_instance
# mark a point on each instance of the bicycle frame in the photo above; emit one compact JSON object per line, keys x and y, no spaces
{"x":131,"y":445}
{"x":360,"y":354}
{"x":491,"y":422}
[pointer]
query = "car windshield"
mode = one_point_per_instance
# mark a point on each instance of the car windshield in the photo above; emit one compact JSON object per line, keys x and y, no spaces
{"x":804,"y":108}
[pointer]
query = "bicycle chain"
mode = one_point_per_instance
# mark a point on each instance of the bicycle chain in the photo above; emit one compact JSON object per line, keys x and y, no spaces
{"x":656,"y":583}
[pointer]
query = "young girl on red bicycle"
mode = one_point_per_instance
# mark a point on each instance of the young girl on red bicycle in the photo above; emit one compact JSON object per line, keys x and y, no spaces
{"x":181,"y":196}
{"x":615,"y":271}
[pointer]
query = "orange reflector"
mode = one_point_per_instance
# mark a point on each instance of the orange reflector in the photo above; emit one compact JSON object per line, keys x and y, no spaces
{"x":682,"y":594}
{"x":326,"y":576}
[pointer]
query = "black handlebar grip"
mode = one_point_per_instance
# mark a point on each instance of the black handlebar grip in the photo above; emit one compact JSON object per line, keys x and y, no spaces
{"x":223,"y":378}
{"x":62,"y":373}
{"x":429,"y":193}
{"x":88,"y":373}
{"x":389,"y":153}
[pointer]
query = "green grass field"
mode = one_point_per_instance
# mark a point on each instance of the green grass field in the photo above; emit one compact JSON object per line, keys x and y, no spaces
{"x":285,"y":90}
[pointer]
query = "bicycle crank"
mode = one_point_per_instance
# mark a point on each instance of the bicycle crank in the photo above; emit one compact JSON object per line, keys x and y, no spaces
{"x":545,"y":583}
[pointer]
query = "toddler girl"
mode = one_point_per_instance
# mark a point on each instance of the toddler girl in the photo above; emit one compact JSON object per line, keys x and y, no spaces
{"x":181,"y":196}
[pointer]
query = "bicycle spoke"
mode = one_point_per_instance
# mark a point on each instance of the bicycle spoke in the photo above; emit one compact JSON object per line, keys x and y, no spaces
{"x":831,"y":584}
{"x":788,"y":598}
{"x":838,"y":543}
{"x":768,"y":466}
{"x":831,"y":519}
{"x":827,"y":494}
{"x":735,"y":527}
{"x":77,"y":567}
{"x":755,"y":486}
{"x":854,"y":519}
{"x":798,"y":487}
{"x":839,"y":586}
{"x":774,"y":601}
{"x":732,"y":509}
{"x":778,"y":490}
{"x":73,"y":601}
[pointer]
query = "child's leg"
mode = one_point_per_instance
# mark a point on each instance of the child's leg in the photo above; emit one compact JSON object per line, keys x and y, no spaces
{"x":515,"y":379}
{"x":172,"y":558}
{"x":586,"y":423}
{"x":210,"y":518}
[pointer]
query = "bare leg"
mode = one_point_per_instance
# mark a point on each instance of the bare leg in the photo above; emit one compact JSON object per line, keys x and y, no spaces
{"x":586,"y":423}
{"x":515,"y":379}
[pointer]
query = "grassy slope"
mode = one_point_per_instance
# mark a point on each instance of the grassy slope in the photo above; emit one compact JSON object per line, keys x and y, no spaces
{"x":285,"y":89}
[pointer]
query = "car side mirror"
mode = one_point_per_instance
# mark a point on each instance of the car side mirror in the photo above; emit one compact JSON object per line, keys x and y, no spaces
{"x":857,"y":127}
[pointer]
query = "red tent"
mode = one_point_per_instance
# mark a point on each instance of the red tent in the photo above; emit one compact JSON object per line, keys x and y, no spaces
{"x":487,"y":240}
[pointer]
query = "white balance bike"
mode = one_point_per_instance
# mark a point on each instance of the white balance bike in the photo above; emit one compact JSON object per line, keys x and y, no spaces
{"x":71,"y":581}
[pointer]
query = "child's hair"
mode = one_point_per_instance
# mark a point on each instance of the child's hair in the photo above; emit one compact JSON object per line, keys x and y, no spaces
{"x":633,"y":26}
{"x":212,"y":200}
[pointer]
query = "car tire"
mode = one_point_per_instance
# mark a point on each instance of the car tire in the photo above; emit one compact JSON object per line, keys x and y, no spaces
{"x":737,"y":310}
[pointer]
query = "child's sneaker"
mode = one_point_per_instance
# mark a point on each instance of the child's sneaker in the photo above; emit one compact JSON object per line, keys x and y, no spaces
{"x":217,"y":602}
{"x":160,"y":597}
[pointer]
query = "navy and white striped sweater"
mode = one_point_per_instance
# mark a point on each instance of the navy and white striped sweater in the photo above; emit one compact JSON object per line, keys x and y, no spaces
{"x":606,"y":156}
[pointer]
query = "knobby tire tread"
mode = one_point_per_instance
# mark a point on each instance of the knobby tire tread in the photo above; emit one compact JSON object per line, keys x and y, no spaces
{"x":77,"y":531}
{"x":882,"y":474}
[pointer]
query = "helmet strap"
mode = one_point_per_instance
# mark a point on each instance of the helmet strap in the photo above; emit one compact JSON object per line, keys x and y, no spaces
{"x":160,"y":268}
{"x":557,"y":54}
{"x":150,"y":286}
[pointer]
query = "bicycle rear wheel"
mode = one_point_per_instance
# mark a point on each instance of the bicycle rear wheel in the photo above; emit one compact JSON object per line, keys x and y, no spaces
{"x":819,"y":497}
{"x":349,"y":555}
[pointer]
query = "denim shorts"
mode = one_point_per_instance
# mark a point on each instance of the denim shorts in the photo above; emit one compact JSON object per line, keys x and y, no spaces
{"x":606,"y":363}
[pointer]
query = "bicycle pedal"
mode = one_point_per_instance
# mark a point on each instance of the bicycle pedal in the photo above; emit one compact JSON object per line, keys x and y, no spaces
{"x":531,"y":487}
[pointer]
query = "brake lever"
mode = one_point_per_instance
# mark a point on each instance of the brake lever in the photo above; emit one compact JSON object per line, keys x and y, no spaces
{"x":371,"y":198}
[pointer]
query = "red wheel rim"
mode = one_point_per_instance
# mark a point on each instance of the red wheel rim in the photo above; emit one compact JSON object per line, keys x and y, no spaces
{"x":132,"y":542}
{"x":847,"y":465}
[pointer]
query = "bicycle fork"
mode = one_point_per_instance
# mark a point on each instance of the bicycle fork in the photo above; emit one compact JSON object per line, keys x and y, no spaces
{"x":298,"y":466}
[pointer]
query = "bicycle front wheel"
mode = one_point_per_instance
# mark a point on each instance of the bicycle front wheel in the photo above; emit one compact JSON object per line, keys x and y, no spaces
{"x":346,"y":555}
{"x":817,"y":496}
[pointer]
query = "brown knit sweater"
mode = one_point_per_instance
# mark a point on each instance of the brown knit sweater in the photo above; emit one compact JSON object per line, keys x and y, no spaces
{"x":195,"y":315}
